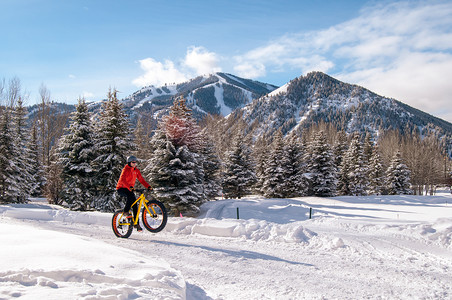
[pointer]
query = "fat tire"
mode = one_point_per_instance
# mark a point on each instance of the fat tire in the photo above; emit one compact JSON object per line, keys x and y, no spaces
{"x":115,"y":225}
{"x":162,"y":215}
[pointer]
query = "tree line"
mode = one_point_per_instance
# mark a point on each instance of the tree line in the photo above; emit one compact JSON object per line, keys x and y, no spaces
{"x":75,"y":159}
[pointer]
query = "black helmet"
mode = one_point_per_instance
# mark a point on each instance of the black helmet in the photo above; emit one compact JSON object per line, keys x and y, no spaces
{"x":131,"y":159}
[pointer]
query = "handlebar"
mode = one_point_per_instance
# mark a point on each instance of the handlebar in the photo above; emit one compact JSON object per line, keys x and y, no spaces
{"x":141,"y":190}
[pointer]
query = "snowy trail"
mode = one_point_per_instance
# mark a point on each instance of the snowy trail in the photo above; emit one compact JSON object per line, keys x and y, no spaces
{"x":333,"y":265}
{"x":340,"y":255}
{"x":391,"y":265}
{"x":213,"y":265}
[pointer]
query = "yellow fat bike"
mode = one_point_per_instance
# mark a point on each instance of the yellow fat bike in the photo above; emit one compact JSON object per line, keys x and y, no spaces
{"x":154,"y":216}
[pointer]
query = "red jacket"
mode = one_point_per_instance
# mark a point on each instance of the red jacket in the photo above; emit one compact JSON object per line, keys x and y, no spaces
{"x":128,"y":177}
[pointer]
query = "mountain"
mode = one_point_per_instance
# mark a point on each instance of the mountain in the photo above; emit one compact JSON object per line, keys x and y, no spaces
{"x":303,"y":101}
{"x":218,"y":93}
{"x":318,"y":97}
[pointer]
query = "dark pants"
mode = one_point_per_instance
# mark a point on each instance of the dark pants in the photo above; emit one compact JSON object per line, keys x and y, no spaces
{"x":130,"y":199}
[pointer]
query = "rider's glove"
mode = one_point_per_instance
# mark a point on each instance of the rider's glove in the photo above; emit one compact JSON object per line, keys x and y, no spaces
{"x":149,"y":188}
{"x":132,"y":189}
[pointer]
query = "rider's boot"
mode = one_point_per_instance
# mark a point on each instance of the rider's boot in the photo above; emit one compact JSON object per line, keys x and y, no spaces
{"x":138,"y":227}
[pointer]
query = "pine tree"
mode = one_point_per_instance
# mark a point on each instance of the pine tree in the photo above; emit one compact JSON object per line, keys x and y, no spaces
{"x":177,"y":177}
{"x":176,"y":168}
{"x":275,"y":172}
{"x":376,"y":173}
{"x":10,"y":173}
{"x":76,"y":152}
{"x":260,"y":156}
{"x":211,"y":166}
{"x":238,"y":176}
{"x":295,"y":183}
{"x":36,"y":169}
{"x":156,"y":166}
{"x":320,"y":168}
{"x":21,"y":141}
{"x":142,"y":140}
{"x":181,"y":128}
{"x":367,"y":148}
{"x":398,"y":177}
{"x":339,"y":150}
{"x":353,"y":173}
{"x":54,"y":184}
{"x":113,"y":145}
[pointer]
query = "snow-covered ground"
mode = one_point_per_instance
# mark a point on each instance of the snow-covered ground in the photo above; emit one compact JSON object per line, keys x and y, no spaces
{"x":385,"y":247}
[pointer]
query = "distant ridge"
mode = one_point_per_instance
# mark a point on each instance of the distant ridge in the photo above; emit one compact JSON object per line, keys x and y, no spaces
{"x":218,"y":93}
{"x":303,"y":101}
{"x":319,"y":97}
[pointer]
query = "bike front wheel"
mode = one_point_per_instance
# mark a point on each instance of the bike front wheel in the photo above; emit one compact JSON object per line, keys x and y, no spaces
{"x":154,"y":216}
{"x":122,"y":226}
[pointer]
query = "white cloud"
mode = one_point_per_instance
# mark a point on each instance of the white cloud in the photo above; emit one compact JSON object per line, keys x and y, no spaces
{"x":418,"y":79}
{"x":287,"y":53}
{"x":401,"y":50}
{"x":201,"y":60}
{"x":157,"y":73}
{"x":250,"y":69}
{"x":198,"y":61}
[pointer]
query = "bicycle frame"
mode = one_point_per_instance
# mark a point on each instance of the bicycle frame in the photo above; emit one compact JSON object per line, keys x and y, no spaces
{"x":140,"y":200}
{"x":154,"y":216}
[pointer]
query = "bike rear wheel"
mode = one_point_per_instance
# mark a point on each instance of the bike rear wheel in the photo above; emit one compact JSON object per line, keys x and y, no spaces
{"x":155,"y":221}
{"x":122,"y":226}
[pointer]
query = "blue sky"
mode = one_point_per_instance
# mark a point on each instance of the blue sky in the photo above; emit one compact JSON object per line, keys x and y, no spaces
{"x":80,"y":48}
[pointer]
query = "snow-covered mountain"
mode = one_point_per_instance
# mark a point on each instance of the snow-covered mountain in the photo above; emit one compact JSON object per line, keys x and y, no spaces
{"x":318,"y":97}
{"x":218,"y":93}
{"x":303,"y":101}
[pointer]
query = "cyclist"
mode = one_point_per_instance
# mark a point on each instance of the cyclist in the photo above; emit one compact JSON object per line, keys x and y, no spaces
{"x":126,"y":182}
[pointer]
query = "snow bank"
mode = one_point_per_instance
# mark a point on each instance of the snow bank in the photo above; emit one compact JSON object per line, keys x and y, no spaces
{"x":252,"y":229}
{"x":41,"y":212}
{"x":285,"y":220}
{"x":439,"y":232}
{"x":256,"y":230}
{"x":57,"y":265}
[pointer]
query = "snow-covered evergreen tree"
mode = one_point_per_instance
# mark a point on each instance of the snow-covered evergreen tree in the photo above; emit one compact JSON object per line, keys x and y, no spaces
{"x":275,"y":173}
{"x":367,"y":148}
{"x":353,"y":174}
{"x":21,"y":141}
{"x":239,"y":176}
{"x":376,"y":173}
{"x":113,"y":145}
{"x":321,"y":170}
{"x":260,"y":155}
{"x":176,"y":175}
{"x":398,"y":177}
{"x":36,"y":168}
{"x":295,"y":183}
{"x":142,"y":139}
{"x":54,"y":180}
{"x":339,"y":148}
{"x":181,"y":128}
{"x":10,"y":172}
{"x":176,"y":167}
{"x":76,"y":152}
{"x":211,"y":166}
